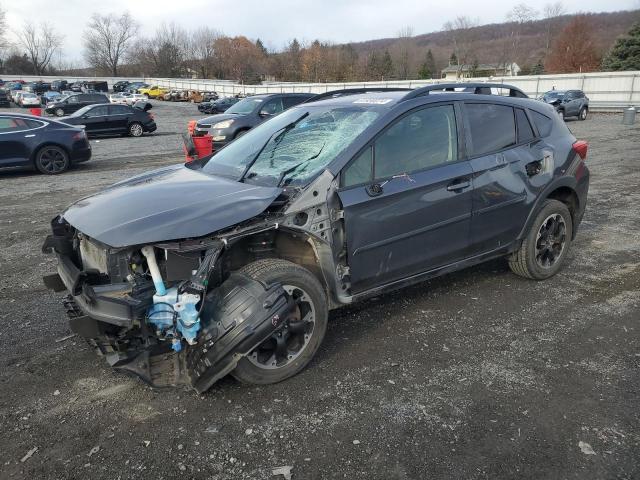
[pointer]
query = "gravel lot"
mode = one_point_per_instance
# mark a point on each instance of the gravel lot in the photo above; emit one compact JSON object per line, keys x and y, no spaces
{"x":478,"y":374}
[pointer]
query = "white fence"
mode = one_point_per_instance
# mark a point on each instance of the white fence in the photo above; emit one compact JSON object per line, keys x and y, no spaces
{"x":606,"y":90}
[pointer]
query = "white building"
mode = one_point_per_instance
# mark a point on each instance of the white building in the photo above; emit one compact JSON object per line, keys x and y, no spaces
{"x":456,"y":72}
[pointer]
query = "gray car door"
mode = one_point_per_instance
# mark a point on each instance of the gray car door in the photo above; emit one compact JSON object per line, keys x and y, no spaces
{"x":502,"y":146}
{"x":407,"y":199}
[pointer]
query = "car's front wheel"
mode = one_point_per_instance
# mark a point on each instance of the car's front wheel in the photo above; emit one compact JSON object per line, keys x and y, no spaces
{"x":52,"y":160}
{"x":290,"y":349}
{"x":546,"y":245}
{"x":135,"y":129}
{"x":59,"y":112}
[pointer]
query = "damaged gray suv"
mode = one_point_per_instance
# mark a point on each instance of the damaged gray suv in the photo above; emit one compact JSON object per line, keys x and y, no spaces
{"x":231,"y":264}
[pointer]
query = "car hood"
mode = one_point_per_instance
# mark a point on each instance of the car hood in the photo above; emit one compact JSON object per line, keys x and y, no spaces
{"x":220,"y":117}
{"x":167,"y":204}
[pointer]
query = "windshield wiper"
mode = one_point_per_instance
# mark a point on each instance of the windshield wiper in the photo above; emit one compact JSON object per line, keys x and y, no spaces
{"x":283,"y":130}
{"x":286,"y":172}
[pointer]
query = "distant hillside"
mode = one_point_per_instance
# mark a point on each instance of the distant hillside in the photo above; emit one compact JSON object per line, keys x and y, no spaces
{"x":490,"y":41}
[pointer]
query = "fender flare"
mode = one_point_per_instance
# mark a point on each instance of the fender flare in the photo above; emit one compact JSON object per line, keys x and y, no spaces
{"x":566,"y":181}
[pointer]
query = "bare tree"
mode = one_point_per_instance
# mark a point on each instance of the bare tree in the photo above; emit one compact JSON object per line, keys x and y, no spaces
{"x":462,"y":37}
{"x":107,"y":40}
{"x":519,"y":14}
{"x":404,"y":50}
{"x":164,"y":54}
{"x":3,"y":28}
{"x":202,"y":50}
{"x":549,"y":12}
{"x":40,"y":43}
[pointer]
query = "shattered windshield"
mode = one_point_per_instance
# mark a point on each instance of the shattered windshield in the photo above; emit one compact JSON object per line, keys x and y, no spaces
{"x":292,"y":147}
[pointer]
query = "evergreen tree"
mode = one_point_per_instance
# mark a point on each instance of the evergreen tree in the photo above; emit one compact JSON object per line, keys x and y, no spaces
{"x":261,"y":47}
{"x":453,"y":59}
{"x":386,"y":65}
{"x":428,"y":67}
{"x":625,"y":54}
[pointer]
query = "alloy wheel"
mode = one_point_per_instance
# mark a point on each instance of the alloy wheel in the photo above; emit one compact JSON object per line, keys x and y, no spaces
{"x":285,"y":345}
{"x":136,"y":130}
{"x":52,"y":160}
{"x":551,"y":240}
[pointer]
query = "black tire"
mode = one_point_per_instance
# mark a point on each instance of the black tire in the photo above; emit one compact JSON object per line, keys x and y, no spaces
{"x":52,"y":160}
{"x":543,"y":251}
{"x":136,"y":129}
{"x":583,"y":113}
{"x":287,"y":273}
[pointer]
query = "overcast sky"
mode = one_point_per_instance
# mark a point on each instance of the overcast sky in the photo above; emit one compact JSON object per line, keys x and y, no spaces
{"x":278,"y":21}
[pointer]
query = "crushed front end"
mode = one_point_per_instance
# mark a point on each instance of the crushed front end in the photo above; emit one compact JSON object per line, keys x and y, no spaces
{"x":149,"y":309}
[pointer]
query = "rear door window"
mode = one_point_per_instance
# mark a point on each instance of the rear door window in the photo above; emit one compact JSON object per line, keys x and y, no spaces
{"x":10,"y":124}
{"x":101,"y":111}
{"x":525,"y":132}
{"x":119,"y":110}
{"x":492,"y":127}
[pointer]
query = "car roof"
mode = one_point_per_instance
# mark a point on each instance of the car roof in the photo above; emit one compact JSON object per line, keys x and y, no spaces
{"x":389,"y":99}
{"x":271,"y":95}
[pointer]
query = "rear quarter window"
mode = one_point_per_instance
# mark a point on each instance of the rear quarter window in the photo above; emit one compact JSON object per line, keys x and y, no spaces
{"x":543,"y":123}
{"x":525,"y":132}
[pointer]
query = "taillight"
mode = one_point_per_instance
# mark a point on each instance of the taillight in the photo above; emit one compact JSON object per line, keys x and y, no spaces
{"x":581,"y":147}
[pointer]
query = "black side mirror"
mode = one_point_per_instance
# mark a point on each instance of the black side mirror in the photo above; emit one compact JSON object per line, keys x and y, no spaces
{"x":264,"y":113}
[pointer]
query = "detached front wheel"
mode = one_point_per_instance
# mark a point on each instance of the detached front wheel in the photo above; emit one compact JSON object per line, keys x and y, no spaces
{"x":289,"y":350}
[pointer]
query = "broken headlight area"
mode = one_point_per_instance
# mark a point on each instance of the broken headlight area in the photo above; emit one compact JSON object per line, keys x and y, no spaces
{"x":164,"y":312}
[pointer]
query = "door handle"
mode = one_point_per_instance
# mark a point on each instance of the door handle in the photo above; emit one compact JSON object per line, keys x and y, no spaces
{"x":29,"y":136}
{"x":458,"y":185}
{"x":374,"y":190}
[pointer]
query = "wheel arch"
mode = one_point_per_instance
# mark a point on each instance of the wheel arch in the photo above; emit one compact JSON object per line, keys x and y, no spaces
{"x":562,"y":190}
{"x":295,"y":246}
{"x":35,"y":151}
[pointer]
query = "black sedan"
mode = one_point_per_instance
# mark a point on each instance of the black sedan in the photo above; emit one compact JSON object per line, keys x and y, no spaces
{"x":47,"y":145}
{"x":217,"y":106}
{"x":113,"y":119}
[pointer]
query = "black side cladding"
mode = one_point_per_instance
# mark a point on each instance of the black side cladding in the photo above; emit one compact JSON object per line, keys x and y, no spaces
{"x":237,"y":317}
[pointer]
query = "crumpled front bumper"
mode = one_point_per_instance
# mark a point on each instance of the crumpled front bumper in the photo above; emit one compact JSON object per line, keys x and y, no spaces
{"x":111,"y":303}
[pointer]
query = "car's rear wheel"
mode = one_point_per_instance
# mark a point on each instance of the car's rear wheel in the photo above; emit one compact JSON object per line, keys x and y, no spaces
{"x":546,"y":245}
{"x":135,"y":129}
{"x":583,"y":114}
{"x":288,"y":351}
{"x":52,"y":160}
{"x":59,"y":112}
